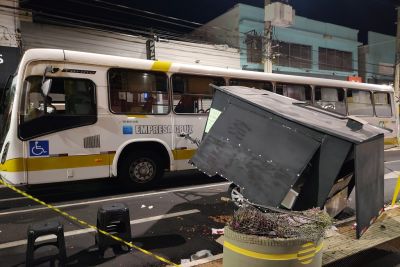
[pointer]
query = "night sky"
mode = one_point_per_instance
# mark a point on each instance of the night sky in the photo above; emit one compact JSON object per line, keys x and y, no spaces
{"x":364,"y":15}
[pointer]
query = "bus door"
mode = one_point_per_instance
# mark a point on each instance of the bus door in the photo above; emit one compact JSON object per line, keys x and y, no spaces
{"x":192,"y":98}
{"x":60,"y":141}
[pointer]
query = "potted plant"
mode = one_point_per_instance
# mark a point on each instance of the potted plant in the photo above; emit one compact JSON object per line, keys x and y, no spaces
{"x":270,"y":238}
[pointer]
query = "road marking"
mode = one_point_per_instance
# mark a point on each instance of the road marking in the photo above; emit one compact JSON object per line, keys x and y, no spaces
{"x":11,"y":199}
{"x":85,"y":224}
{"x":392,"y":161}
{"x":116,"y":198}
{"x":89,"y":230}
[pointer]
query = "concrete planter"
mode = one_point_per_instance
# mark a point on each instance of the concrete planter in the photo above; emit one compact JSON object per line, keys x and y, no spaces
{"x":256,"y":251}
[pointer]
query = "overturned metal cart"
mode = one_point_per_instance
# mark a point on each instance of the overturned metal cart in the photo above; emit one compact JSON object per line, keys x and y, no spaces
{"x":287,"y":153}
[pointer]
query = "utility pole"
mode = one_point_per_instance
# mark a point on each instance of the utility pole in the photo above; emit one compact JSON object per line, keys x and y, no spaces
{"x":397,"y":55}
{"x":268,"y":41}
{"x":397,"y":69}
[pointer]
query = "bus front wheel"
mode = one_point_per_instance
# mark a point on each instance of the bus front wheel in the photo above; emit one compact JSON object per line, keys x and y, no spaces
{"x":141,"y":168}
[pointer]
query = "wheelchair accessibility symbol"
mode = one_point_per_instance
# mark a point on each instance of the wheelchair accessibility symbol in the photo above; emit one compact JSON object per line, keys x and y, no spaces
{"x":38,"y":148}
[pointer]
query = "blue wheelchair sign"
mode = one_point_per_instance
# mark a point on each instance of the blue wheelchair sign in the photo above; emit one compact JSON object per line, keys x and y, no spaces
{"x":38,"y":148}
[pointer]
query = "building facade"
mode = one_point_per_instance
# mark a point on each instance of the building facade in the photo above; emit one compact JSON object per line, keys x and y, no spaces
{"x":19,"y":32}
{"x":308,"y":47}
{"x":377,"y":58}
{"x":233,"y":40}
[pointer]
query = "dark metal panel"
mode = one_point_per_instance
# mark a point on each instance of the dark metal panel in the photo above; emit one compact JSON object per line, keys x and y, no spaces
{"x":268,"y":144}
{"x":256,"y":152}
{"x":221,"y":102}
{"x":302,"y":113}
{"x":322,"y":173}
{"x":332,"y":156}
{"x":369,"y":183}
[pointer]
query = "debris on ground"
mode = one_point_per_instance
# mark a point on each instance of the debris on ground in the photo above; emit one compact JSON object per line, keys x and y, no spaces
{"x":333,"y":230}
{"x":184,"y":261}
{"x":221,"y":218}
{"x":226,"y":199}
{"x":205,"y":253}
{"x":215,"y":231}
{"x":306,"y":225}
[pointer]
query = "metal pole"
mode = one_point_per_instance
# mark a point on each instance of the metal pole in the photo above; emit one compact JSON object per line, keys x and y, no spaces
{"x":268,"y":40}
{"x":397,"y":70}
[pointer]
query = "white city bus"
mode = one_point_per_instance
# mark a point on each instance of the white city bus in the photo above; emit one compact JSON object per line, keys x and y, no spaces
{"x":71,"y":116}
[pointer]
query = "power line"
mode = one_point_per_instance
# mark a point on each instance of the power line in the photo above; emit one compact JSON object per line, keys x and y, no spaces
{"x":98,"y":24}
{"x":160,"y":15}
{"x":147,"y":12}
{"x":136,"y":31}
{"x":124,"y":12}
{"x":76,"y":20}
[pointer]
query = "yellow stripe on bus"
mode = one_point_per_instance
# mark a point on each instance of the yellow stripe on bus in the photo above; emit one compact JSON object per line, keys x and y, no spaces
{"x":47,"y":163}
{"x":50,"y":163}
{"x":161,"y":66}
{"x":13,"y":165}
{"x":137,"y":116}
{"x":180,"y":154}
{"x":391,"y":141}
{"x":68,"y":162}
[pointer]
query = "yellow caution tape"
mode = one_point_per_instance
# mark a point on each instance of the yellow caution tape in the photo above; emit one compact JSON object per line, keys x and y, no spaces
{"x":73,"y":218}
{"x":396,"y":191}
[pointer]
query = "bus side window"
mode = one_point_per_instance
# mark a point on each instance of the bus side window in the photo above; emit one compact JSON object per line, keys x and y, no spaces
{"x":138,"y":92}
{"x":67,"y":96}
{"x":331,"y":99}
{"x":359,"y":103}
{"x":299,"y":92}
{"x":77,"y":98}
{"x":383,"y":107}
{"x":71,"y":103}
{"x":252,"y":83}
{"x":192,"y":93}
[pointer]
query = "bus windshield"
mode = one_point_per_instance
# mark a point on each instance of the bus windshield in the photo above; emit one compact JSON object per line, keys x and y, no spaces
{"x":7,"y":102}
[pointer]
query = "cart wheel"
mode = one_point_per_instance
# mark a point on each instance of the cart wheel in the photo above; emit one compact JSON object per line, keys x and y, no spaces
{"x":236,"y":196}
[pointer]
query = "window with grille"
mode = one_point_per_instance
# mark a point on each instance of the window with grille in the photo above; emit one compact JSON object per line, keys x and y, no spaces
{"x":292,"y":55}
{"x":331,"y":59}
{"x":254,"y":48}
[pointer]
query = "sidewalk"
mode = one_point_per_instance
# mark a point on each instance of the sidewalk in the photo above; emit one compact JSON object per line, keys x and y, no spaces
{"x":341,"y":244}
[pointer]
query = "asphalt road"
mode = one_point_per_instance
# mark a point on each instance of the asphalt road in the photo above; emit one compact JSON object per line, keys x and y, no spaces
{"x":173,"y":220}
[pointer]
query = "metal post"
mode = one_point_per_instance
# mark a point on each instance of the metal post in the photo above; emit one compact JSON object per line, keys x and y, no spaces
{"x":268,"y":40}
{"x":397,"y":70}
